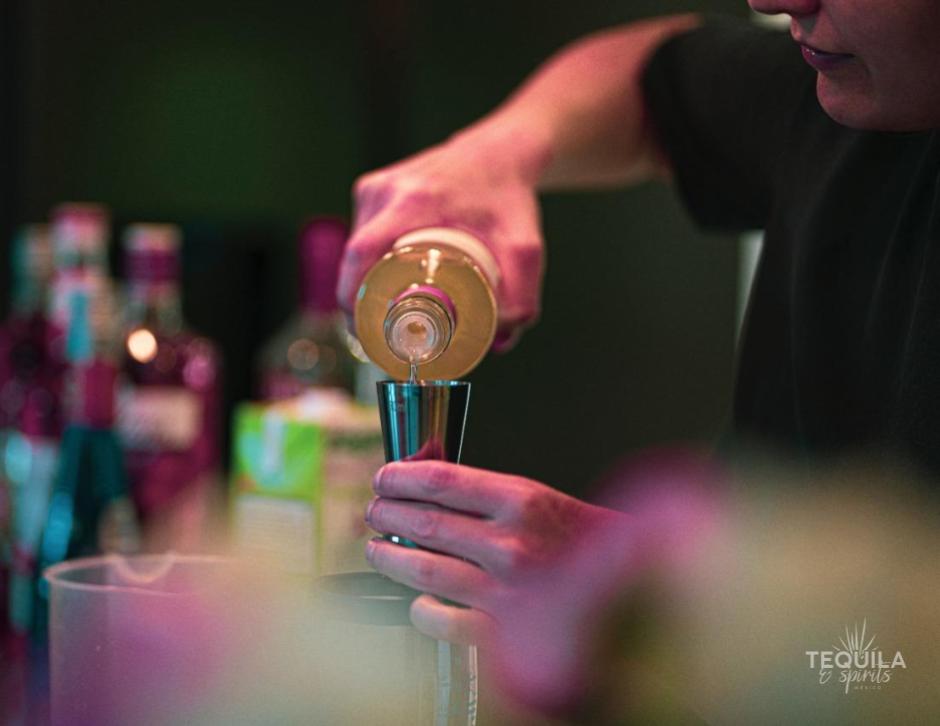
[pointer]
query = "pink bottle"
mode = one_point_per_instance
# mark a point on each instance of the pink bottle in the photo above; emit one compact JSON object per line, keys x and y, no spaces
{"x":30,"y":393}
{"x":25,"y":358}
{"x":170,"y":397}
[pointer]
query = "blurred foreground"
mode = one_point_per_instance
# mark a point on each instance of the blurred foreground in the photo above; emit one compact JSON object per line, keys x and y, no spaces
{"x":752,"y":597}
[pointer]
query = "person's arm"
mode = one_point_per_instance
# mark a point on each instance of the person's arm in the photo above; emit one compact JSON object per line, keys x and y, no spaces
{"x":580,"y":118}
{"x":579,"y":121}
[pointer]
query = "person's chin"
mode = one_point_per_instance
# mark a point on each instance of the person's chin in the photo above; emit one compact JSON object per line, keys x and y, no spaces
{"x":848,"y":106}
{"x":855,"y":105}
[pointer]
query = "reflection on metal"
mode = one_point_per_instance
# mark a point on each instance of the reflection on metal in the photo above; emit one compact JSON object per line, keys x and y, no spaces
{"x":749,"y":250}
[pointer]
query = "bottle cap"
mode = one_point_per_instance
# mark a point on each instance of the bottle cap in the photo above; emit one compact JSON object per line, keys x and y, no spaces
{"x":321,"y":249}
{"x":80,"y":234}
{"x":152,"y":253}
{"x":420,"y":324}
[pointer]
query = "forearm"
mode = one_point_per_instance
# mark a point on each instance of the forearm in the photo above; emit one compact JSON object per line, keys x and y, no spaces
{"x":579,"y":120}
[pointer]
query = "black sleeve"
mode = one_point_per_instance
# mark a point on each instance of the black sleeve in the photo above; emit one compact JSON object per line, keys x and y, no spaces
{"x":722,"y":101}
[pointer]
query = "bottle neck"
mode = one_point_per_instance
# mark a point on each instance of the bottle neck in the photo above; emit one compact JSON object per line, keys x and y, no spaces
{"x":85,"y":310}
{"x":30,"y":297}
{"x":321,"y":248}
{"x":313,"y":304}
{"x":317,"y":290}
{"x":420,"y":324}
{"x":154,"y":305}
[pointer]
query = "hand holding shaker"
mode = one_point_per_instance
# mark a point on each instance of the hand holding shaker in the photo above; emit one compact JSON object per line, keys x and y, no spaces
{"x":422,"y":420}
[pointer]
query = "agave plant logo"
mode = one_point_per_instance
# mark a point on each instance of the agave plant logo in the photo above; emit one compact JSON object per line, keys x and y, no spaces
{"x":861,"y":665}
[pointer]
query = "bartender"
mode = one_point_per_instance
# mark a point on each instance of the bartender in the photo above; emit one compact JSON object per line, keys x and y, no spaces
{"x":826,"y":138}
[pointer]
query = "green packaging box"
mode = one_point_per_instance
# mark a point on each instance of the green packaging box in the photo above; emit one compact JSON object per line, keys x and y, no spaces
{"x":301,"y":479}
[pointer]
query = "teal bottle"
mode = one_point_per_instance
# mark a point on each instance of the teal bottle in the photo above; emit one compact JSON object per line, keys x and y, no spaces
{"x":90,"y":510}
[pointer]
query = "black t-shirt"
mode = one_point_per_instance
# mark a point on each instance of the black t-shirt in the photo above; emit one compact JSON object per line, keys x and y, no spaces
{"x":841,"y":348}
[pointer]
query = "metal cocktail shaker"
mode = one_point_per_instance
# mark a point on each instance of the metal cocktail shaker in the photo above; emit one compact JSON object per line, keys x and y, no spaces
{"x":422,"y":421}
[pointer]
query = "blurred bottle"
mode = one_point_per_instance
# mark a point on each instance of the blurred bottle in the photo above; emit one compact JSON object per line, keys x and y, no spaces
{"x":31,"y":462}
{"x":427,"y":308}
{"x":169,"y":412}
{"x":80,"y":252}
{"x":313,"y":349}
{"x":30,"y":388}
{"x":31,"y":416}
{"x":90,"y":510}
{"x":24,"y":336}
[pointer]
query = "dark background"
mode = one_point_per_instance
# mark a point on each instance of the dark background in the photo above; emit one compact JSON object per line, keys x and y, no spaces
{"x":239,"y":119}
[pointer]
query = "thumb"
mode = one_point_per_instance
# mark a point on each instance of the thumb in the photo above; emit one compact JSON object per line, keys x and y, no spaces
{"x":451,"y":623}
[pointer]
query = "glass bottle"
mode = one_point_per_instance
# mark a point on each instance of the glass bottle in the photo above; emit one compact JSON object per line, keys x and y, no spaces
{"x":313,"y":349}
{"x":30,"y":460}
{"x":90,"y":510}
{"x":169,"y":413}
{"x":427,"y":308}
{"x":79,"y":233}
{"x":23,"y":338}
{"x":31,"y":391}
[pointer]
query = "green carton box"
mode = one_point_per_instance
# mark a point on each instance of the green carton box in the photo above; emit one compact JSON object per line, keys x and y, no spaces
{"x":301,"y":478}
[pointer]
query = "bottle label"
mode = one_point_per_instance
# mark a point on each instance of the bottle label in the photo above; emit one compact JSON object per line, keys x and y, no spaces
{"x":158,"y":418}
{"x":300,"y":488}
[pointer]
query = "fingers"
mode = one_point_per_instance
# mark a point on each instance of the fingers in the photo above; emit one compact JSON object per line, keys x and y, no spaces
{"x":432,"y":572}
{"x":520,"y":251}
{"x":433,"y":527}
{"x":366,"y":246}
{"x":370,"y":195}
{"x":461,"y":488}
{"x":507,"y":335}
{"x":447,"y":622}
